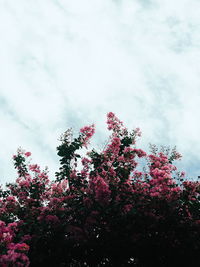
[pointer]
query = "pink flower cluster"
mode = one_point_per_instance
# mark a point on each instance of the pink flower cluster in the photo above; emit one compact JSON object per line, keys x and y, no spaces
{"x":114,"y":147}
{"x":28,"y":154}
{"x":115,"y":124}
{"x":101,"y":190}
{"x":193,"y":189}
{"x":12,"y":254}
{"x":162,"y":183}
{"x":134,"y":151}
{"x":87,"y":133}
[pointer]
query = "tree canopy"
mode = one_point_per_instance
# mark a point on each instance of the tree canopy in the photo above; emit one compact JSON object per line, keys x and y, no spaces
{"x":101,"y":209}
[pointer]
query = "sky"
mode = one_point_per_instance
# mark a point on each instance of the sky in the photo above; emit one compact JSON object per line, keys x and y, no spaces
{"x":67,"y":63}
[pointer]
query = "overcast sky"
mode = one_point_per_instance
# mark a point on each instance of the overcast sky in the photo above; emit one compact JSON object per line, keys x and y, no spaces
{"x":66,"y":63}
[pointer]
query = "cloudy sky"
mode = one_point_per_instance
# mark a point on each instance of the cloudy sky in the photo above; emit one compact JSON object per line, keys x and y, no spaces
{"x":66,"y":63}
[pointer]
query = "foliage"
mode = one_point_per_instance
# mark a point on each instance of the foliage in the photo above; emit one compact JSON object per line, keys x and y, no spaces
{"x":106,"y":213}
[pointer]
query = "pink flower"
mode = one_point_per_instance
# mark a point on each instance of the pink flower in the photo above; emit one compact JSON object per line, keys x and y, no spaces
{"x":114,"y":147}
{"x":115,"y":124}
{"x":28,"y":154}
{"x":139,"y":152}
{"x":101,"y":189}
{"x":34,"y":168}
{"x":138,"y":174}
{"x":19,"y":246}
{"x":87,"y":133}
{"x":24,"y":183}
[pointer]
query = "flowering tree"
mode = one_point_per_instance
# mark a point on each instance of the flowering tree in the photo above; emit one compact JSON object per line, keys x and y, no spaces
{"x":106,"y":213}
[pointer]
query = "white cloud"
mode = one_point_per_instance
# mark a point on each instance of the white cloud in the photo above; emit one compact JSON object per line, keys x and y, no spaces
{"x":67,"y":63}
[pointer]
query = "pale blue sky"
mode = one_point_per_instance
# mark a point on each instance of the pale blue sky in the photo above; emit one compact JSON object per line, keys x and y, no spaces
{"x":66,"y":63}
